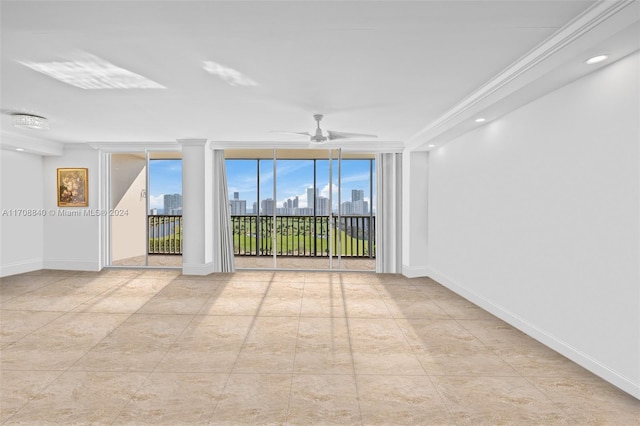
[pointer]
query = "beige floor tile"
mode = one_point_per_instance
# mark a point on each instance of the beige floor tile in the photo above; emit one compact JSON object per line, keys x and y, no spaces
{"x":19,"y":387}
{"x":378,"y":335}
{"x":33,"y":302}
{"x":322,"y":300}
{"x":30,"y":356}
{"x":17,"y":285}
{"x":323,"y":359}
{"x":235,"y":298}
{"x":158,"y":347}
{"x":459,"y":308}
{"x":80,"y":398}
{"x":180,"y":297}
{"x":387,"y":363}
{"x":138,"y":344}
{"x":400,"y":400}
{"x":208,"y":344}
{"x":591,"y":401}
{"x":174,"y":399}
{"x":283,"y":305}
{"x":323,"y":399}
{"x":533,"y":359}
{"x":253,"y":399}
{"x":434,"y":334}
{"x":17,"y":324}
{"x":498,"y":400}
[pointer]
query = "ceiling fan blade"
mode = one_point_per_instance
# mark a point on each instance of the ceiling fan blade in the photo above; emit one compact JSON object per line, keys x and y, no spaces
{"x":291,"y":133}
{"x":345,"y":135}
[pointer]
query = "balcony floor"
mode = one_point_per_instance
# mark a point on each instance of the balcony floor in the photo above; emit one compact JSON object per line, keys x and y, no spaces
{"x":262,"y":262}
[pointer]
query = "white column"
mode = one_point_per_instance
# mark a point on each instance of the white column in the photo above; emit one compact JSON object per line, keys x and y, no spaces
{"x":414,"y":213}
{"x":197,"y":215}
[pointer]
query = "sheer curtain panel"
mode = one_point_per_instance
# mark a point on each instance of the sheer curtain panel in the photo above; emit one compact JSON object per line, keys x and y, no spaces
{"x":223,"y":260}
{"x":389,"y":213}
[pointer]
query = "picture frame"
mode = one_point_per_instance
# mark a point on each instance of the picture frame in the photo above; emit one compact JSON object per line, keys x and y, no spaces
{"x":73,"y":187}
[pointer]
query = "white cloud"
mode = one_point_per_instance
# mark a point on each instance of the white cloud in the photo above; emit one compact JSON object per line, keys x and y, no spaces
{"x":156,"y":202}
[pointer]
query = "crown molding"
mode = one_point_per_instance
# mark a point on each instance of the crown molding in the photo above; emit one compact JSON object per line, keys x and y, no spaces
{"x":354,"y":146}
{"x":134,"y":146}
{"x":599,"y":22}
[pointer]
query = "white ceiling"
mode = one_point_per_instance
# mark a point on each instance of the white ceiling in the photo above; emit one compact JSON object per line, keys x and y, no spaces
{"x":386,"y":67}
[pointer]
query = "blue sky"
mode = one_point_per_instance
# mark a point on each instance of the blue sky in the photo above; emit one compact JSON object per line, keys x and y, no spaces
{"x":294,"y":177}
{"x":165,"y":177}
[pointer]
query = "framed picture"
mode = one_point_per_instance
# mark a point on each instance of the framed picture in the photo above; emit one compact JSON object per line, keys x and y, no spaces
{"x":73,"y":187}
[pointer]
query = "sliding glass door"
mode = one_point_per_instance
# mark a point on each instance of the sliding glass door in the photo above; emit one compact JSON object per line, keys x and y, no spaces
{"x":290,"y":209}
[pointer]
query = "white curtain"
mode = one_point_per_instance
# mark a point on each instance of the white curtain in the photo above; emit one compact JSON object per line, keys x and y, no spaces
{"x":389,"y":213}
{"x":223,"y":260}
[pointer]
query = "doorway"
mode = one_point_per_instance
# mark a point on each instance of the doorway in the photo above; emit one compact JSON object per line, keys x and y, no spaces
{"x":147,"y":188}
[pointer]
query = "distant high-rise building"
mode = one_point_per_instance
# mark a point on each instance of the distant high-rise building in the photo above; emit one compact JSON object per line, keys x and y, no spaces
{"x":237,"y":206}
{"x":173,"y":204}
{"x":267,"y":207}
{"x":295,"y":202}
{"x":357,"y":195}
{"x":347,"y":208}
{"x":154,"y":212}
{"x":322,"y":206}
{"x":311,"y":196}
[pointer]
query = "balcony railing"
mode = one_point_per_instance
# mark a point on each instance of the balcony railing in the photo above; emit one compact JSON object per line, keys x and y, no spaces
{"x":304,"y":236}
{"x":165,"y":234}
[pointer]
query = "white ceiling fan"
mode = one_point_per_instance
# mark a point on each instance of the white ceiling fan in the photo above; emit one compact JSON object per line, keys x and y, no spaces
{"x":319,"y":137}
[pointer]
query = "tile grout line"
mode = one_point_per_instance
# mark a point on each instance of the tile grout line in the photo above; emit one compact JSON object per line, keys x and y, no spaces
{"x":295,"y":351}
{"x":353,"y":363}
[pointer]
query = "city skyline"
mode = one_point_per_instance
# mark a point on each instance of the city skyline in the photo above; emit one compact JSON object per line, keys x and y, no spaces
{"x":295,"y":181}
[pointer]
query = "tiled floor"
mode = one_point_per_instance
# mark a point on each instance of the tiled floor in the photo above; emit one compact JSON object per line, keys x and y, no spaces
{"x":262,"y":262}
{"x":134,"y":347}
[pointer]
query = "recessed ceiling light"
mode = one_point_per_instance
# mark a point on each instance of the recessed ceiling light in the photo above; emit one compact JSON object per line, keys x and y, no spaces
{"x":431,"y":146}
{"x":596,"y":59}
{"x":88,"y":71}
{"x":480,"y":120}
{"x":19,"y":149}
{"x":28,"y":121}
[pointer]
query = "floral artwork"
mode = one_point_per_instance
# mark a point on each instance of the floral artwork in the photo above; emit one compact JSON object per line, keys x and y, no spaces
{"x":73,"y":189}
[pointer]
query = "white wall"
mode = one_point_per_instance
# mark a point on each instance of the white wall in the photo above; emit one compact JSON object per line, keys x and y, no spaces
{"x":72,"y":243}
{"x":536,"y":217}
{"x":414,"y":213}
{"x":128,"y":183}
{"x":21,"y":245}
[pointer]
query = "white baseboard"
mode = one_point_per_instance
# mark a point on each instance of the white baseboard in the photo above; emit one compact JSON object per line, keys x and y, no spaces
{"x":415,"y":271}
{"x":197,"y":268}
{"x":72,"y":264}
{"x":21,"y":267}
{"x":580,"y":358}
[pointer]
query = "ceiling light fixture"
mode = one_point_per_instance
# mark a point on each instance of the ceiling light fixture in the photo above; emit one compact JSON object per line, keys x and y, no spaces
{"x":20,"y":149}
{"x":28,"y":121}
{"x":431,"y":146}
{"x":596,"y":59}
{"x":480,"y":120}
